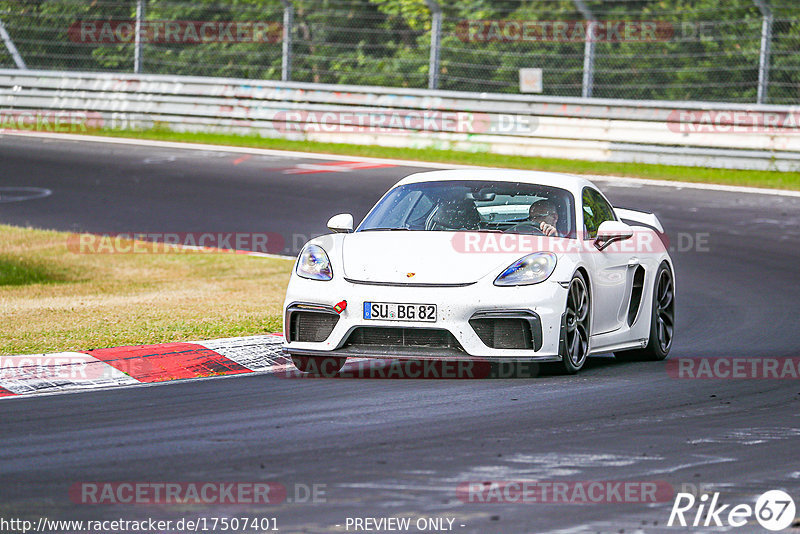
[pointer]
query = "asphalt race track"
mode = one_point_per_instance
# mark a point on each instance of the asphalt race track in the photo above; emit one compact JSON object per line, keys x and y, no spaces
{"x":400,"y":448}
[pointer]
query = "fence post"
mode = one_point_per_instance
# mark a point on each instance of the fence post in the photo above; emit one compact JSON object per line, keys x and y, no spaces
{"x":138,"y":57}
{"x":763,"y":56}
{"x":286,"y":54}
{"x":12,"y":49}
{"x":436,"y":43}
{"x":588,"y":49}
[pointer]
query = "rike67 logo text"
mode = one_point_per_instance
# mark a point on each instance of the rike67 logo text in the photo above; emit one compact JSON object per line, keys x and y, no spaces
{"x":774,"y":510}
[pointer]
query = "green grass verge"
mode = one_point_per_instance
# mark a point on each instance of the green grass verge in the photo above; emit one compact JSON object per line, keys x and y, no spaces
{"x":55,"y":299}
{"x":767,"y":179}
{"x":18,"y":272}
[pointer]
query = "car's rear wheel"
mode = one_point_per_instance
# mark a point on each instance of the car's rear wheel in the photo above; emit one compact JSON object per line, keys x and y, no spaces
{"x":662,"y":322}
{"x":576,"y":330}
{"x":319,"y":365}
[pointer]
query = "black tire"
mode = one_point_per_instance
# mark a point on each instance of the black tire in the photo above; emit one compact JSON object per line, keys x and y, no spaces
{"x":319,"y":365}
{"x":662,"y":321}
{"x":576,"y":330}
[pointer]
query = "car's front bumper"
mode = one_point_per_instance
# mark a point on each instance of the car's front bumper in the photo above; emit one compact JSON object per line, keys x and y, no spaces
{"x":544,"y":304}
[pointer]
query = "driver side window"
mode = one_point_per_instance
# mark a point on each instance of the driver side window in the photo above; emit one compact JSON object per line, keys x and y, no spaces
{"x":595,"y":211}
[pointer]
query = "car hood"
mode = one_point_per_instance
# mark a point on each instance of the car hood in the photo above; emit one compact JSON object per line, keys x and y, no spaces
{"x":417,"y":257}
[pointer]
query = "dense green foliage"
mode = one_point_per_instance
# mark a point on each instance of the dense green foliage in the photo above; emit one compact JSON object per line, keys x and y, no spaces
{"x":710,"y":51}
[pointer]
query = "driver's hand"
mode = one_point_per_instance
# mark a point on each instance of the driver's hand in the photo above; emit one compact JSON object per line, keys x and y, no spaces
{"x":547,"y":229}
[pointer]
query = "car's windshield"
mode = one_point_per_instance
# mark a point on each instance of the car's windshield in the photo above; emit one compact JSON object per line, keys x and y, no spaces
{"x":486,"y":206}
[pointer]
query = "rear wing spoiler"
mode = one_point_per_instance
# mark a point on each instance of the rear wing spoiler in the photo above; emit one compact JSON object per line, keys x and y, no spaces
{"x":641,"y":217}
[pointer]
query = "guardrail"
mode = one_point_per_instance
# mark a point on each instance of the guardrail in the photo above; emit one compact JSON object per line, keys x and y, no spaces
{"x":737,"y":136}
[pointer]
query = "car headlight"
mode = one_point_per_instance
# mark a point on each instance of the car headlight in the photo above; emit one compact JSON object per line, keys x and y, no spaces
{"x":314,"y":264}
{"x":531,"y":269}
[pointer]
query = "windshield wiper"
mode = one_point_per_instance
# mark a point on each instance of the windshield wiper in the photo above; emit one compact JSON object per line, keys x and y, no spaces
{"x":390,"y":229}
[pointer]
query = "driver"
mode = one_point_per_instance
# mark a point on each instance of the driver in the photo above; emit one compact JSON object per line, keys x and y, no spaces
{"x":544,"y":215}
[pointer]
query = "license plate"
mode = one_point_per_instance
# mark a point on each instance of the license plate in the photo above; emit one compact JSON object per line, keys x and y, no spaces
{"x":392,"y":311}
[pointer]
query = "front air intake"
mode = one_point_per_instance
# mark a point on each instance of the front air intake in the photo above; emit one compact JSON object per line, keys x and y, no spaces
{"x":508,"y":329}
{"x":402,"y":337}
{"x":311,"y":326}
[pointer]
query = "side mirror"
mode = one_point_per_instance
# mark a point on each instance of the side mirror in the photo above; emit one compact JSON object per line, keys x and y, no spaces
{"x":610,"y":232}
{"x":341,"y":224}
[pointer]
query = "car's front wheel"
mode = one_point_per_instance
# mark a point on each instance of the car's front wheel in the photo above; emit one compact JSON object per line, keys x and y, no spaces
{"x":574,"y":346}
{"x":662,"y":322}
{"x":319,"y":365}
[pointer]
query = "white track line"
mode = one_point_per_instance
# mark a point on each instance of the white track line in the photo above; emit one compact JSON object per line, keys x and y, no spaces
{"x":398,"y":162}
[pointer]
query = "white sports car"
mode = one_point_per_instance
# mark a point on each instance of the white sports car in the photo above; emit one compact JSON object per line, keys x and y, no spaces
{"x":497,"y":265}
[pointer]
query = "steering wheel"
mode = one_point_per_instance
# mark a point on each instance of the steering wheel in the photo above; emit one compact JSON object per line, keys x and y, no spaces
{"x":524,"y":228}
